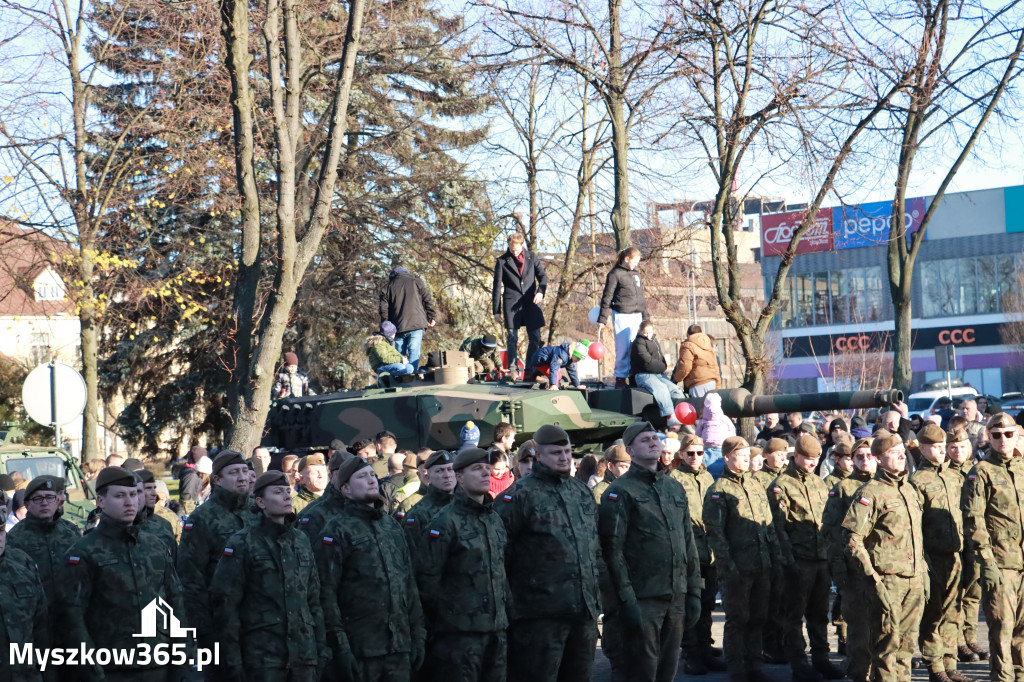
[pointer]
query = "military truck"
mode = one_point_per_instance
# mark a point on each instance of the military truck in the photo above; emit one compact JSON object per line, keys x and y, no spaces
{"x":37,"y":460}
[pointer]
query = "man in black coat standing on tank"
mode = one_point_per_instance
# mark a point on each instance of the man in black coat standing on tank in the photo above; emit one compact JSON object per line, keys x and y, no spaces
{"x":522,"y":275}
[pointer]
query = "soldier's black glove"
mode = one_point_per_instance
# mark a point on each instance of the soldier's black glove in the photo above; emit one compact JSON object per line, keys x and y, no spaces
{"x":632,"y":616}
{"x":417,"y":656}
{"x":344,"y":668}
{"x":991,"y":577}
{"x":693,"y":607}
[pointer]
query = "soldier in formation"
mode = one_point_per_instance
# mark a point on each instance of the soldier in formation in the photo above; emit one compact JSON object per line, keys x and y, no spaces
{"x":617,"y":463}
{"x":959,"y":451}
{"x":438,"y":493}
{"x":776,"y":457}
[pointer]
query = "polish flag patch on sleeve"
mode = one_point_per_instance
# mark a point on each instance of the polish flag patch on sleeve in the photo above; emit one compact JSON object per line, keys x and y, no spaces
{"x":715,"y":496}
{"x":328,"y":541}
{"x":409,"y":521}
{"x":228,"y":551}
{"x":435,"y":533}
{"x":400,"y":515}
{"x":304,"y":521}
{"x":508,"y":498}
{"x":831,"y":493}
{"x":865,"y":501}
{"x":777,"y":490}
{"x":74,"y":560}
{"x":971,"y":477}
{"x":187,"y":526}
{"x":613,"y":496}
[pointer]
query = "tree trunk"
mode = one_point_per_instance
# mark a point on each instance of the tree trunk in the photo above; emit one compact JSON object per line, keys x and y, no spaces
{"x":615,"y":100}
{"x":902,"y":374}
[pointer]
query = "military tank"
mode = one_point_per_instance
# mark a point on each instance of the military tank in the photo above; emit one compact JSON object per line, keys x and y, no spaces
{"x":429,"y":413}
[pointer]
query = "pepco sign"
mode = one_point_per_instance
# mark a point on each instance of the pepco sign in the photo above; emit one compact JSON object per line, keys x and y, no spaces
{"x":868,"y":224}
{"x":777,"y":231}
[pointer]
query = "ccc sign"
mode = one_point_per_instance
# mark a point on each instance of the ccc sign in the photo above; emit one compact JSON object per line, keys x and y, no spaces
{"x":855,"y":342}
{"x":956,"y":336}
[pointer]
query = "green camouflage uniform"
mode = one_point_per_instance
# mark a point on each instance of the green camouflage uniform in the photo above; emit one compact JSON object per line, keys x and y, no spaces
{"x":160,"y":528}
{"x":302,"y":498}
{"x":484,"y":359}
{"x":612,"y":645}
{"x":416,"y":519}
{"x":460,"y":569}
{"x":171,"y":518}
{"x":413,"y":488}
{"x":648,"y":545}
{"x":798,"y":502}
{"x":552,"y":563}
{"x":774,"y":626}
{"x":46,"y":543}
{"x":994,"y":528}
{"x":318,"y":512}
{"x":742,"y":536}
{"x":970,"y":587}
{"x":204,"y":536}
{"x":372,"y":613}
{"x":848,"y":584}
{"x":410,"y":501}
{"x":835,"y":478}
{"x":884,"y":540}
{"x":266,"y":603}
{"x":109,"y":577}
{"x":942,"y":525}
{"x":602,"y":485}
{"x":697,"y":640}
{"x":831,"y":481}
{"x":23,"y":617}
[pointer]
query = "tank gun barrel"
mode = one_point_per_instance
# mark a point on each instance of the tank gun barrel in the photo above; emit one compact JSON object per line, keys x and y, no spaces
{"x":739,"y":402}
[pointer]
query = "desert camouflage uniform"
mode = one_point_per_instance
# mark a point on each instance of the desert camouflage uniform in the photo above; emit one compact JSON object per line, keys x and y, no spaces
{"x":994,"y":526}
{"x":266,"y":603}
{"x":552,"y":563}
{"x":942,"y":525}
{"x":742,"y":536}
{"x":970,"y":586}
{"x":302,"y":499}
{"x":883,"y":536}
{"x":460,"y":569}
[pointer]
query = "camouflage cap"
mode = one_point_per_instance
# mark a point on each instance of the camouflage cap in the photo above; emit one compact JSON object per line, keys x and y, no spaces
{"x":808,"y":446}
{"x":40,"y":483}
{"x":268,"y":479}
{"x":732,"y":444}
{"x":617,"y":453}
{"x":930,"y":434}
{"x":634,"y":430}
{"x":549,"y":434}
{"x":777,"y":445}
{"x":439,"y":458}
{"x":346,"y":470}
{"x":226,"y":458}
{"x":114,"y":476}
{"x":316,"y":459}
{"x":470,"y":456}
{"x":883,"y":441}
{"x":690,"y":439}
{"x":337,"y":459}
{"x":958,"y":436}
{"x":999,"y":420}
{"x":146,"y":475}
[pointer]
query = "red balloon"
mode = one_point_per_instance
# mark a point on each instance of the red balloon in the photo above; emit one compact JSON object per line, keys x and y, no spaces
{"x":686,"y":414}
{"x":596,"y":350}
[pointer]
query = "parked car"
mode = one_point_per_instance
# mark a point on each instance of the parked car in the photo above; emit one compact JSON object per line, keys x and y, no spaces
{"x":925,"y":403}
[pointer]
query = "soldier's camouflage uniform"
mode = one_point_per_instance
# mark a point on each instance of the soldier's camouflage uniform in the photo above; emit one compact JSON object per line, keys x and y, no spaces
{"x":108,"y":578}
{"x":302,"y":498}
{"x":774,"y":625}
{"x":159,"y":527}
{"x":970,"y":586}
{"x":460,"y":568}
{"x":612,"y":637}
{"x":742,"y":536}
{"x":994,"y":527}
{"x":849,"y":584}
{"x":203,"y":538}
{"x":602,"y":485}
{"x":942,"y":526}
{"x":23,"y":617}
{"x":380,"y":465}
{"x":883,"y":536}
{"x":372,"y":614}
{"x":697,"y":640}
{"x":409,"y":502}
{"x":171,"y":518}
{"x":834,"y":478}
{"x":798,"y":503}
{"x":648,"y":545}
{"x":416,"y":519}
{"x":46,"y":543}
{"x":318,"y":512}
{"x":266,"y":603}
{"x":552,"y":563}
{"x":831,"y":481}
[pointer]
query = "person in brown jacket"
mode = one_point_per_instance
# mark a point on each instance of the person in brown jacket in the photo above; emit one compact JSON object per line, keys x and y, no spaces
{"x":697,"y":366}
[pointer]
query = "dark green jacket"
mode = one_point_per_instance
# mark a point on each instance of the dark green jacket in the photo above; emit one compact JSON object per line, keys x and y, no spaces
{"x":882,"y":528}
{"x":318,"y":512}
{"x":739,"y":522}
{"x":460,"y":569}
{"x":416,"y":519}
{"x":553,"y":552}
{"x":47,"y":543}
{"x":647,"y":537}
{"x":23,"y":617}
{"x":266,"y":600}
{"x":109,"y":577}
{"x":798,"y":503}
{"x":160,"y":527}
{"x":203,"y":537}
{"x":993,"y":514}
{"x":696,"y":484}
{"x":942,"y":521}
{"x":367,"y":584}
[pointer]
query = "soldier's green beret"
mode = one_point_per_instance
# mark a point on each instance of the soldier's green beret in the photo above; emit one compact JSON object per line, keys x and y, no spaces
{"x":114,"y":476}
{"x":931,"y":434}
{"x":883,"y":441}
{"x":146,"y":475}
{"x":268,"y":479}
{"x":225,"y":459}
{"x":469,"y":457}
{"x":617,"y":453}
{"x":349,"y":467}
{"x":58,"y":482}
{"x":132,"y":464}
{"x":549,"y":434}
{"x":338,"y":458}
{"x":732,"y":444}
{"x":808,"y":446}
{"x":439,"y":458}
{"x":634,"y":430}
{"x":40,"y":483}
